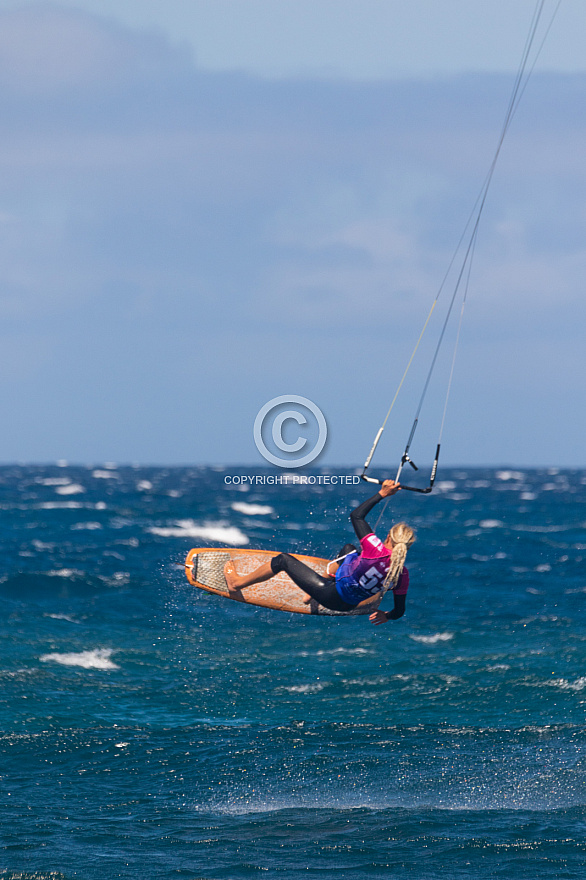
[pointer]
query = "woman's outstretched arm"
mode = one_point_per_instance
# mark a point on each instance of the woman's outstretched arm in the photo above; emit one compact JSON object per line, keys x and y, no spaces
{"x":357,"y":517}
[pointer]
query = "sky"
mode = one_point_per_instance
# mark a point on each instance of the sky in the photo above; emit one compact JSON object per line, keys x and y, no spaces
{"x":208,"y":204}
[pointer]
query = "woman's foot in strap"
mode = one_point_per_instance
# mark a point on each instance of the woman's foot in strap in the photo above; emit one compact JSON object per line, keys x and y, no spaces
{"x":232,"y":578}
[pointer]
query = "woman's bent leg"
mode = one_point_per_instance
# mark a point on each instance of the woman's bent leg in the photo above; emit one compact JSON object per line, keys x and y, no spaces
{"x":322,"y":589}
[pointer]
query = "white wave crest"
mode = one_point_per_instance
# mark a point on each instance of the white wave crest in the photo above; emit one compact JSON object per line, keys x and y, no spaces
{"x":542,"y":529}
{"x":305,"y":688}
{"x":565,"y":685}
{"x":70,"y":505}
{"x":62,"y":617}
{"x":490,"y":524}
{"x":104,"y":475}
{"x":60,"y":505}
{"x":432,"y":640}
{"x":99,"y":658}
{"x":510,"y":475}
{"x":252,"y":509}
{"x":70,"y":489}
{"x":218,"y":532}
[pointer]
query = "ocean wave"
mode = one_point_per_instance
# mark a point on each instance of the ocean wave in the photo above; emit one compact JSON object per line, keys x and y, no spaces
{"x":432,"y":640}
{"x":104,"y":475}
{"x":485,"y":795}
{"x":43,"y":546}
{"x":510,"y":475}
{"x":70,"y":505}
{"x":347,"y":651}
{"x":305,"y":688}
{"x":62,"y":617}
{"x":216,"y":532}
{"x":60,"y":505}
{"x":15,"y":674}
{"x":544,"y":529}
{"x":99,"y":658}
{"x":564,"y":685}
{"x":118,"y":579}
{"x":70,"y":489}
{"x":252,"y":509}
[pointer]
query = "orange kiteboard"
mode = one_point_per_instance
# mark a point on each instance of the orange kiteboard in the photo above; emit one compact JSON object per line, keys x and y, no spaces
{"x":204,"y":568}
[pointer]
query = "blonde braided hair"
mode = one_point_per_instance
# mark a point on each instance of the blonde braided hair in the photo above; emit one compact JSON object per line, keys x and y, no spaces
{"x":402,"y":537}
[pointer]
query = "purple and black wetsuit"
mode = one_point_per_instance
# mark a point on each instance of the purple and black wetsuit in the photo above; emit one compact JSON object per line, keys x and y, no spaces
{"x":360,"y":576}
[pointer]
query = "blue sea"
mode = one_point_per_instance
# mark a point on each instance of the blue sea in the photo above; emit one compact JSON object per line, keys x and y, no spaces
{"x":150,"y":730}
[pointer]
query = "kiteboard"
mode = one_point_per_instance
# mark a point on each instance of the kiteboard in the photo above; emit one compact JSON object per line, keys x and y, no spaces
{"x":204,"y":568}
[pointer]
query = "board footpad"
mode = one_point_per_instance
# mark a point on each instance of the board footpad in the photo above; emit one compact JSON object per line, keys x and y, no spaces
{"x":208,"y":569}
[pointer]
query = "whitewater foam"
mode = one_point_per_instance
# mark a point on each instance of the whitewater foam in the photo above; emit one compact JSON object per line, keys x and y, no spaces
{"x":99,"y":658}
{"x":62,"y":617}
{"x":70,"y":489}
{"x":432,"y":640}
{"x":104,"y":475}
{"x":60,"y":505}
{"x":565,"y":685}
{"x":304,"y":688}
{"x":216,"y":532}
{"x":252,"y":509}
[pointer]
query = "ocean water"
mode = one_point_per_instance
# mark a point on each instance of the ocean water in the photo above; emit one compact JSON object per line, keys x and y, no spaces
{"x":152,"y":731}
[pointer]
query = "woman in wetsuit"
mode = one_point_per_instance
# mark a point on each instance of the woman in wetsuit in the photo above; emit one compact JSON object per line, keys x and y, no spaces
{"x":355,"y":575}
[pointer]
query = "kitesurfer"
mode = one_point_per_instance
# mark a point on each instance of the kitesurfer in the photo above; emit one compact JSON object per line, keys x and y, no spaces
{"x":355,"y":575}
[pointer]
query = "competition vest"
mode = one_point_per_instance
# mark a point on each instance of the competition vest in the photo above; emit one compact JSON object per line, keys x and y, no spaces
{"x":361,"y":576}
